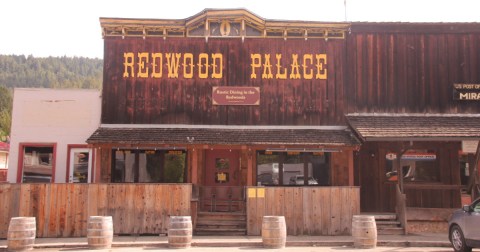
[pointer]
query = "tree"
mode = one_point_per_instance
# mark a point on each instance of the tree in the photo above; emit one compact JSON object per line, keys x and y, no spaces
{"x":5,"y":111}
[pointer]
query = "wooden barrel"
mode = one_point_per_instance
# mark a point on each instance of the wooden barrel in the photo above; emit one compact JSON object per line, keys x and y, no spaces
{"x":274,"y":231}
{"x":21,"y":233}
{"x":180,"y":232}
{"x":364,"y":231}
{"x":100,"y":232}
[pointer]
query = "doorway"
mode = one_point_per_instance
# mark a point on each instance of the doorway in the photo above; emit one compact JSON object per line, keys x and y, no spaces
{"x":222,"y":191}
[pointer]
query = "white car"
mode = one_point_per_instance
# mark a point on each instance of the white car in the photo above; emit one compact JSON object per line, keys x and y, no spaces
{"x":299,"y":180}
{"x":464,"y":227}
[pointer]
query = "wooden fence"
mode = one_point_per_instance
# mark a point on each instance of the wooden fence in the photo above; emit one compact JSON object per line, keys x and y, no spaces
{"x":307,"y":210}
{"x":62,"y":210}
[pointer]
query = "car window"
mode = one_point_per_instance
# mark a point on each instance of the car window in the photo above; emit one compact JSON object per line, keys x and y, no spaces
{"x":476,"y":208}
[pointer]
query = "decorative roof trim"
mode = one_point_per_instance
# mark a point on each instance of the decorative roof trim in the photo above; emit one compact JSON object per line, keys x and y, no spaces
{"x":247,"y":25}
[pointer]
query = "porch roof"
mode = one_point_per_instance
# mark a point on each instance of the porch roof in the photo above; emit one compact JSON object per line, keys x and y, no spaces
{"x":410,"y":127}
{"x":223,"y":135}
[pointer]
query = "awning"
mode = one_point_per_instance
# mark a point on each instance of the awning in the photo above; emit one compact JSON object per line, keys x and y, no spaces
{"x":224,"y":135}
{"x":411,"y":127}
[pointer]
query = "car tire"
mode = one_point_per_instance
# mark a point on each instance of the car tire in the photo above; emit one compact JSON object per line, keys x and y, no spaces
{"x":458,"y":240}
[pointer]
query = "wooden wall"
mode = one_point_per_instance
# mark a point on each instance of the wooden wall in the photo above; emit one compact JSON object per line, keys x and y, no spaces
{"x":307,"y":210}
{"x":183,"y":100}
{"x":62,"y":210}
{"x":378,"y":194}
{"x":411,"y":68}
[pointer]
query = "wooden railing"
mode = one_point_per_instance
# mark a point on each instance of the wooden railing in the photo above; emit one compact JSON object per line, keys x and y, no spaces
{"x":222,"y":198}
{"x":62,"y":210}
{"x":307,"y":210}
{"x":433,"y":196}
{"x":401,"y":208}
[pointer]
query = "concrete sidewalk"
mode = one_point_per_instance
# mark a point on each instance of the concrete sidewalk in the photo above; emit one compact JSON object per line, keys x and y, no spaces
{"x":411,"y":240}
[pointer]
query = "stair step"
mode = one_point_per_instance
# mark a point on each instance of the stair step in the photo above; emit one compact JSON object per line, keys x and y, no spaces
{"x":387,"y":223}
{"x":390,"y":230}
{"x":223,"y":223}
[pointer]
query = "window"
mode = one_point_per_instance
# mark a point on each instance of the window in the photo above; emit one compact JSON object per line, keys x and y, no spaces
{"x":416,"y":166}
{"x":293,"y":168}
{"x":79,"y":165}
{"x":149,"y":166}
{"x":38,"y":163}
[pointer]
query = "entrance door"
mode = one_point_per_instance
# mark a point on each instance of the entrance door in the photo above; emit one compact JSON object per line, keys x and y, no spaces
{"x":80,"y":167}
{"x":222,"y":190}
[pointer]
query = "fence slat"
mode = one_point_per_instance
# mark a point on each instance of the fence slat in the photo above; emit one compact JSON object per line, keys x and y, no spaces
{"x":62,"y":210}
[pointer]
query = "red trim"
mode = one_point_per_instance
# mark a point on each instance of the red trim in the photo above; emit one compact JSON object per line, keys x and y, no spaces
{"x":21,"y":148}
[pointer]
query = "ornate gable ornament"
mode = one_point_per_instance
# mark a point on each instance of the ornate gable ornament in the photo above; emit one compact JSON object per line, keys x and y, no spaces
{"x":223,"y":23}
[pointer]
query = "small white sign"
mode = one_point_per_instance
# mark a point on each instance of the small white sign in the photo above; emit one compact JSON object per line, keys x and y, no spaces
{"x":469,"y":146}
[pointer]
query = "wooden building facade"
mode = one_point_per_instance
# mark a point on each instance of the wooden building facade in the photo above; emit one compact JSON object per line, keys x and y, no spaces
{"x":226,"y":99}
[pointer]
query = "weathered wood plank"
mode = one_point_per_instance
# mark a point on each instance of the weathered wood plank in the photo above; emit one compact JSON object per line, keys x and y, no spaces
{"x":62,"y":210}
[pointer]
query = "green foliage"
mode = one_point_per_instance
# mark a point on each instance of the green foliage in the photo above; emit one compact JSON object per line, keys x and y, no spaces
{"x":5,"y":111}
{"x":174,"y":167}
{"x":51,"y":72}
{"x":18,"y":71}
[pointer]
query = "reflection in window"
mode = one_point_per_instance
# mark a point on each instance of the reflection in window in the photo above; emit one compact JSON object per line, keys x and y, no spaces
{"x":37,"y":164}
{"x":153,"y":166}
{"x":267,"y":168}
{"x":80,"y":166}
{"x":416,"y":166}
{"x":293,"y":168}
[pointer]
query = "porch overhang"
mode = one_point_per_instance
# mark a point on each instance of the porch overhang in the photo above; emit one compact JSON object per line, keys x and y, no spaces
{"x":415,"y":127}
{"x":338,"y":136}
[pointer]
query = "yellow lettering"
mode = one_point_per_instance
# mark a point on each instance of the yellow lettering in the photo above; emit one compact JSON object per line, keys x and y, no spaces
{"x":173,"y":60}
{"x":203,"y":74}
{"x":267,"y":68}
{"x":217,"y":72}
{"x":256,"y":62}
{"x":157,"y":57}
{"x":279,"y":74}
{"x":321,"y":72}
{"x":188,"y":67}
{"x":128,"y":63}
{"x":307,"y":75}
{"x":142,"y":70}
{"x":295,"y":73}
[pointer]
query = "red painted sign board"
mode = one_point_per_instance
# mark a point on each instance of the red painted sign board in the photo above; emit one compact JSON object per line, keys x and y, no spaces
{"x":236,"y":96}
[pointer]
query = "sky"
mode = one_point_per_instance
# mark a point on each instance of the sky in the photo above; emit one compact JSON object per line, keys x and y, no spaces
{"x":44,"y":28}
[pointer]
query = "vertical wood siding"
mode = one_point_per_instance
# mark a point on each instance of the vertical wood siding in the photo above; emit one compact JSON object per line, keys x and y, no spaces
{"x":189,"y":101}
{"x":307,"y":211}
{"x":410,"y":72}
{"x":62,"y":210}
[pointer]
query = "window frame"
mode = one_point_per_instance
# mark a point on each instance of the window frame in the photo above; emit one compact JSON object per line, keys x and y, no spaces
{"x":21,"y":155}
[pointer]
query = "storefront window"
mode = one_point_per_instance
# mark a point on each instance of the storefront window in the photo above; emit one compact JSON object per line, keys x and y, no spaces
{"x":37,"y":164}
{"x":149,"y":166}
{"x":416,"y":166}
{"x":293,"y":168}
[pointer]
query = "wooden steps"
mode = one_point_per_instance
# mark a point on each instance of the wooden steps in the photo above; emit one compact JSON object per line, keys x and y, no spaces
{"x":387,"y":223}
{"x":221,"y":223}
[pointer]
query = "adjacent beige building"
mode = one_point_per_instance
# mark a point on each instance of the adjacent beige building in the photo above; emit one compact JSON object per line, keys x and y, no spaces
{"x":49,"y":129}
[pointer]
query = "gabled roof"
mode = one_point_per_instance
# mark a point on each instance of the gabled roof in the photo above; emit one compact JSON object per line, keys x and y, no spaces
{"x":407,"y":127}
{"x":223,"y":135}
